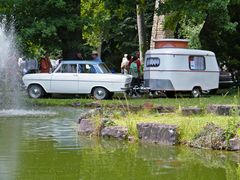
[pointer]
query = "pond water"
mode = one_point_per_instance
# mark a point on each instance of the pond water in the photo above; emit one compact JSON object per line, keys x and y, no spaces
{"x":45,"y":145}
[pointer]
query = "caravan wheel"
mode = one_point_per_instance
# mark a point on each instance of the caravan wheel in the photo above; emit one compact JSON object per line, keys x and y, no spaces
{"x":196,"y":92}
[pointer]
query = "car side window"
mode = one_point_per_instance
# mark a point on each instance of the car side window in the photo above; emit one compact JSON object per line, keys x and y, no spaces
{"x":197,"y":63}
{"x":67,"y":68}
{"x":86,"y":68}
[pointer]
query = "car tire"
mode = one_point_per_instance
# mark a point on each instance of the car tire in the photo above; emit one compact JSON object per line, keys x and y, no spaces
{"x":100,"y":93}
{"x":36,"y":91}
{"x":111,"y":94}
{"x":170,"y":94}
{"x":196,"y":92}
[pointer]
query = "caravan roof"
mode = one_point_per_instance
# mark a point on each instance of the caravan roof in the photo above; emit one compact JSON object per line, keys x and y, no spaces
{"x":179,"y":51}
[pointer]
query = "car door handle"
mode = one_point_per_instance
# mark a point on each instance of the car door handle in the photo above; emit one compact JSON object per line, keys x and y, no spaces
{"x":75,"y":75}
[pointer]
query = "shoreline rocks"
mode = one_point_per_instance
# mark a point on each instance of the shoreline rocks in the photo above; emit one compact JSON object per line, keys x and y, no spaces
{"x":165,"y":109}
{"x":223,"y":110}
{"x":192,"y":111}
{"x":234,"y":144}
{"x":157,"y":133}
{"x":211,"y":137}
{"x":117,"y":132}
{"x":86,"y":127}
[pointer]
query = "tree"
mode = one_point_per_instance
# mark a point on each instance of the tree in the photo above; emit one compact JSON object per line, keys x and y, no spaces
{"x":141,"y":29}
{"x":210,"y":24}
{"x":51,"y":24}
{"x":140,"y":14}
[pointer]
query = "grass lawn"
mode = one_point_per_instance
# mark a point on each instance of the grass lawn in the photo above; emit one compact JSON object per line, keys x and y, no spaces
{"x":232,"y":98}
{"x":188,"y":127}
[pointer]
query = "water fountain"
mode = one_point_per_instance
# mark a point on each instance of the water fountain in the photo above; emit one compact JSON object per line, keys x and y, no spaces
{"x":12,"y":94}
{"x":9,"y":74}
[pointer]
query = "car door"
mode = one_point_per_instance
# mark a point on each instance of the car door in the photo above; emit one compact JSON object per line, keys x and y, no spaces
{"x":87,"y":78}
{"x":65,"y":79}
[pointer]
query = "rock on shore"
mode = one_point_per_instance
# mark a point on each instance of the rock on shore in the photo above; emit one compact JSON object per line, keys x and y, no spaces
{"x":87,"y":127}
{"x":223,"y":110}
{"x":192,"y":111}
{"x":211,"y":137}
{"x":157,"y":133}
{"x":117,"y":132}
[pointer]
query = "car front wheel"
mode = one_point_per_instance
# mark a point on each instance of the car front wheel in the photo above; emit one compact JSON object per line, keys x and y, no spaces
{"x":36,"y":91}
{"x":100,"y":93}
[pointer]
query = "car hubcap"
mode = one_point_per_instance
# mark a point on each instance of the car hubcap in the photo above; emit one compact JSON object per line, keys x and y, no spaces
{"x":100,"y":94}
{"x":35,"y":92}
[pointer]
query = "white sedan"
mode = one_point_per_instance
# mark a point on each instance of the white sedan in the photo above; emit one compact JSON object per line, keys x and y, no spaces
{"x":77,"y":77}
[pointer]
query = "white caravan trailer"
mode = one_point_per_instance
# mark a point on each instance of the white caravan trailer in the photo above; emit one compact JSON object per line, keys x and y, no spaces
{"x":177,"y":69}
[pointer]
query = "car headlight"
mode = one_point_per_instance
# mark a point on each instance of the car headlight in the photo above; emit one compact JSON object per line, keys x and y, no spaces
{"x":128,"y":80}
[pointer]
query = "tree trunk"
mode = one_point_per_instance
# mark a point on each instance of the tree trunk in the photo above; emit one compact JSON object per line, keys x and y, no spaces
{"x":141,"y":32}
{"x":158,"y":31}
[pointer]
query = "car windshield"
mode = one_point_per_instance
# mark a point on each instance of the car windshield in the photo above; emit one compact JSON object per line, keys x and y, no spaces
{"x":104,"y":68}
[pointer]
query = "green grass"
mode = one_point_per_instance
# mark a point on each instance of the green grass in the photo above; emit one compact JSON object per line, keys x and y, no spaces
{"x":188,"y":127}
{"x":120,"y":100}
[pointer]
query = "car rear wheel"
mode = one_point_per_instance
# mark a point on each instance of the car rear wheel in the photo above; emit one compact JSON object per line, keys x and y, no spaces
{"x":170,"y":94}
{"x":196,"y":92}
{"x":36,"y":91}
{"x":100,"y":93}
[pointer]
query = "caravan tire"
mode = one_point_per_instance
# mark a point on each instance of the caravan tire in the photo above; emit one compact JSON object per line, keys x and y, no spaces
{"x":196,"y":92}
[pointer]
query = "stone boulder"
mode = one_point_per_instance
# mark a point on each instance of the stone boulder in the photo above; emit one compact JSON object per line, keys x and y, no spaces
{"x":222,"y":110}
{"x":234,"y":144}
{"x":135,"y":108}
{"x":117,"y":132}
{"x":211,"y":137}
{"x":90,"y":114}
{"x":148,"y":106}
{"x":76,"y":104}
{"x":96,"y":104}
{"x":166,"y":109}
{"x":87,"y":127}
{"x":157,"y":133}
{"x":192,"y":111}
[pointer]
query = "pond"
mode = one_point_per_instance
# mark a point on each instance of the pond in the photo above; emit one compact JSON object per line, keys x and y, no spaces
{"x":43,"y":144}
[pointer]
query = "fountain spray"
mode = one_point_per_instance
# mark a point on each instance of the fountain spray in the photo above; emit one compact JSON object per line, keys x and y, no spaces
{"x":10,"y":91}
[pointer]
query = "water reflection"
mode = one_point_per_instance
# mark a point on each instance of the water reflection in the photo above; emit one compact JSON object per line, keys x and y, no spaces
{"x":49,"y":148}
{"x":9,"y":149}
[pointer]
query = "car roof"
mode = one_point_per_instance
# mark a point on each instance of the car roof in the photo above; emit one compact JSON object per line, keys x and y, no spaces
{"x":180,"y":51}
{"x":80,"y":62}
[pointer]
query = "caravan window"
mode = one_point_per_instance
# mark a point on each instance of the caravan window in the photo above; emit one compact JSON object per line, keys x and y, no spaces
{"x":153,"y":62}
{"x":197,"y":63}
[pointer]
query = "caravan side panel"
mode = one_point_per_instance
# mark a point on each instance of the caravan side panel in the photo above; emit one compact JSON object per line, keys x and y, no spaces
{"x":174,"y":74}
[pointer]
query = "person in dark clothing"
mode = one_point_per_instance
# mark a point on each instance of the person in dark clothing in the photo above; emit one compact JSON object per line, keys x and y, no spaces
{"x":134,"y":71}
{"x":45,"y":64}
{"x":78,"y":56}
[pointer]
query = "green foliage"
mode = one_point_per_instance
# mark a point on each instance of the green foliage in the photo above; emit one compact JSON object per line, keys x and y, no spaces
{"x":210,"y":24}
{"x":68,"y":25}
{"x":51,"y":24}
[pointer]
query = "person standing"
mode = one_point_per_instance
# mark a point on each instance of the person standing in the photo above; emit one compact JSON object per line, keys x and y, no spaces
{"x":45,"y":64}
{"x":137,"y":54}
{"x":124,"y":64}
{"x":78,"y":56}
{"x":135,"y":72}
{"x":95,"y":56}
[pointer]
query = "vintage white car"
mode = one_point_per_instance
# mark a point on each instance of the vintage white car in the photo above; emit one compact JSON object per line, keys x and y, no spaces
{"x":77,"y":77}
